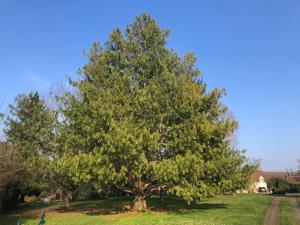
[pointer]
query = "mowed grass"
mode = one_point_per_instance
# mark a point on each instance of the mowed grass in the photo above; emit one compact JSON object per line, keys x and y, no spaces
{"x":246,"y":209}
{"x":286,"y":213}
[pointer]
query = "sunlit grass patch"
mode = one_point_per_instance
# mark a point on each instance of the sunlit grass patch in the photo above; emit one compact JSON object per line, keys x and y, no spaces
{"x":245,"y":209}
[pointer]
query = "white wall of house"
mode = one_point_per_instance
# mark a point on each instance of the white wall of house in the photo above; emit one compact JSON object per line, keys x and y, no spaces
{"x":259,"y":184}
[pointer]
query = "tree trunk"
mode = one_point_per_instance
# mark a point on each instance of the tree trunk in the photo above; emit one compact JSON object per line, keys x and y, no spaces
{"x":68,"y":199}
{"x":21,"y":200}
{"x":162,"y":194}
{"x":140,"y":204}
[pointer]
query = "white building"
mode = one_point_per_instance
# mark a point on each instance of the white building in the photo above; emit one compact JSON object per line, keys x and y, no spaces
{"x":260,"y":184}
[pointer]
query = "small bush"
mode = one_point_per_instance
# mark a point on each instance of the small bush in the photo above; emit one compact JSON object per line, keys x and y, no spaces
{"x":294,"y":188}
{"x":278,"y":191}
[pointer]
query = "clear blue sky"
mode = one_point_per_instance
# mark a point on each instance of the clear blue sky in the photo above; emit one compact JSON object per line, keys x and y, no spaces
{"x":251,"y":48}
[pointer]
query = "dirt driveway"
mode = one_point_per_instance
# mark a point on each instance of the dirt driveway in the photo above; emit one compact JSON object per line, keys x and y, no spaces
{"x":272,"y":217}
{"x":295,"y":206}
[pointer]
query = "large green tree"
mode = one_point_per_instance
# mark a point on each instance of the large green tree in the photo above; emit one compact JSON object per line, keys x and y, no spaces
{"x":141,"y":119}
{"x":33,"y":130}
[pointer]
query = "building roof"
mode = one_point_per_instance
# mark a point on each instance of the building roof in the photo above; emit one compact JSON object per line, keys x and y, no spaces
{"x":267,"y":175}
{"x":289,"y":177}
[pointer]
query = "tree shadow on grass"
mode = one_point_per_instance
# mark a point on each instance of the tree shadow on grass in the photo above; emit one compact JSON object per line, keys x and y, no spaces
{"x":98,"y":207}
{"x":179,"y":206}
{"x":7,"y":220}
{"x":112,"y":206}
{"x":26,"y":211}
{"x":121,"y":205}
{"x":14,"y":219}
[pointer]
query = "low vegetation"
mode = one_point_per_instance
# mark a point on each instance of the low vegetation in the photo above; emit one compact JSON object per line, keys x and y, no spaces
{"x":222,"y":210}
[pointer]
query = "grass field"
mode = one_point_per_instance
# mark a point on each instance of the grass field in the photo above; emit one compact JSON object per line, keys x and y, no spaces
{"x":222,"y":210}
{"x":286,"y":214}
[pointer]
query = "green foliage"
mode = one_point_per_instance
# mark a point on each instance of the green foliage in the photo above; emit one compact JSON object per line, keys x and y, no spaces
{"x":278,"y":183}
{"x":13,"y":177}
{"x":294,"y":187}
{"x":32,"y":129}
{"x":278,"y":191}
{"x":141,"y":119}
{"x":280,"y":186}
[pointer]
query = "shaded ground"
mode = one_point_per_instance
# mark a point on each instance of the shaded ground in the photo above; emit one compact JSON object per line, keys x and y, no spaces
{"x":113,"y":206}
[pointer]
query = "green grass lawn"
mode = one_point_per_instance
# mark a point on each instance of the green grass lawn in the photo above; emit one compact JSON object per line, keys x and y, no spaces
{"x":245,"y":209}
{"x":286,"y":214}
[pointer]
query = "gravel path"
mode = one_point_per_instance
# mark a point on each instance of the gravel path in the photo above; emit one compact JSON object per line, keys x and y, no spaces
{"x":272,"y":217}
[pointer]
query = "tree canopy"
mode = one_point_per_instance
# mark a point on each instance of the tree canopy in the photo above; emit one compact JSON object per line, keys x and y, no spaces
{"x":143,"y":120}
{"x":33,"y":130}
{"x":140,"y":119}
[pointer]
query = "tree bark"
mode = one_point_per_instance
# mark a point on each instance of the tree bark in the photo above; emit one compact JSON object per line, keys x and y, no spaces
{"x":140,"y":204}
{"x":68,"y":200}
{"x":162,"y":194}
{"x":21,"y":200}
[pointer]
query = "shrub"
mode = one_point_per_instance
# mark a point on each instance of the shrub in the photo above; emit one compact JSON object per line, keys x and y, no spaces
{"x":294,"y":188}
{"x":278,"y":191}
